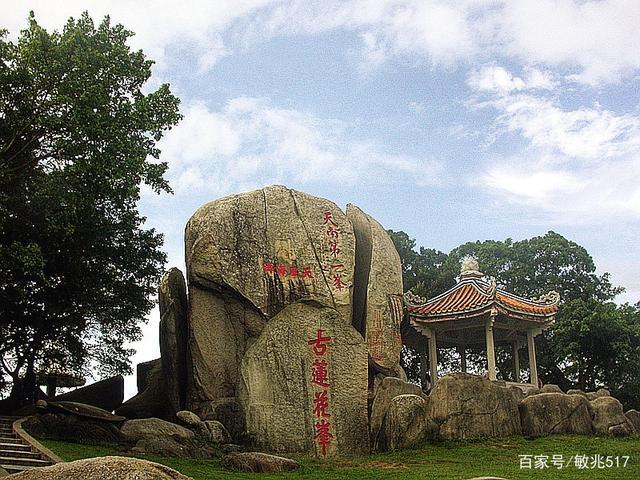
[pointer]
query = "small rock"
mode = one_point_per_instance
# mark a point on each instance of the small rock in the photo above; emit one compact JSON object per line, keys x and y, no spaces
{"x":256,"y":462}
{"x":576,"y":392}
{"x":231,"y":448}
{"x":161,"y":446}
{"x":188,"y":418}
{"x":601,"y":392}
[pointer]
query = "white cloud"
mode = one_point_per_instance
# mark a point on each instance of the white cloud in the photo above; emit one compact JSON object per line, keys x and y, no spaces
{"x":578,"y":165}
{"x":593,"y":41}
{"x":250,"y":140}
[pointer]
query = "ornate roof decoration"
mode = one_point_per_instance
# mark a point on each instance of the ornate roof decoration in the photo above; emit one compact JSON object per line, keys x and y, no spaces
{"x":412,"y":299}
{"x":474,"y":296}
{"x":469,"y":266}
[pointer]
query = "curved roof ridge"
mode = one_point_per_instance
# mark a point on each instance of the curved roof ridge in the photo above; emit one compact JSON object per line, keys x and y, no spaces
{"x":457,"y":286}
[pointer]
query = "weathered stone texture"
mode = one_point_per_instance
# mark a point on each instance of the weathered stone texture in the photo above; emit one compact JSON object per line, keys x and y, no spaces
{"x":388,"y":389}
{"x":469,"y":406}
{"x":229,"y":241}
{"x":277,"y":390}
{"x":551,"y":388}
{"x":172,"y":299}
{"x":406,"y":423}
{"x":555,"y":413}
{"x":377,"y":301}
{"x":143,"y":428}
{"x":103,"y":468}
{"x":609,"y":417}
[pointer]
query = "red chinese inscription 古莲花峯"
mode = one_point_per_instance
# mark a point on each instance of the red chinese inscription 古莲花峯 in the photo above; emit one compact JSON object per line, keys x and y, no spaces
{"x":320,"y":378}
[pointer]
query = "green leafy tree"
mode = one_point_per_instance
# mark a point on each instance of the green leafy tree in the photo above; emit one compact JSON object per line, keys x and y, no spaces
{"x":78,"y":137}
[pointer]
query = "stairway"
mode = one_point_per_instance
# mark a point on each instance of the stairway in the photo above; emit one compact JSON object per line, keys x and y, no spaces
{"x":16,"y":454}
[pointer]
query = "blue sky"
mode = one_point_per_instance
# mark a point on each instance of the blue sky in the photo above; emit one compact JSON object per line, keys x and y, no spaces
{"x":453,"y":121}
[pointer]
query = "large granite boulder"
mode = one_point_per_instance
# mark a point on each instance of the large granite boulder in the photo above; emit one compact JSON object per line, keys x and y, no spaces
{"x":248,"y":257}
{"x":377,"y":295}
{"x":144,"y":428}
{"x":304,"y":384}
{"x":609,"y":417}
{"x":389,"y":388}
{"x":406,"y":424}
{"x":107,"y":394}
{"x":172,"y":299}
{"x":470,"y":406}
{"x":103,"y":468}
{"x":555,"y":413}
{"x":152,"y":400}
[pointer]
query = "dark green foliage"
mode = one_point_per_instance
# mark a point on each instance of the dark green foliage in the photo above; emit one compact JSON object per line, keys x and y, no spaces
{"x":77,"y":139}
{"x":594,"y":342}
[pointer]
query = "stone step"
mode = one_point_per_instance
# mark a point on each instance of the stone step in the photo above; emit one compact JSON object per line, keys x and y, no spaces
{"x":17,"y":468}
{"x":19,"y":454}
{"x":34,"y":462}
{"x":15,"y":446}
{"x":7,"y":439}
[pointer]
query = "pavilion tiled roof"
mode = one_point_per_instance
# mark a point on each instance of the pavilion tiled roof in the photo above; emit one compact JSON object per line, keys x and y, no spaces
{"x":477,"y":295}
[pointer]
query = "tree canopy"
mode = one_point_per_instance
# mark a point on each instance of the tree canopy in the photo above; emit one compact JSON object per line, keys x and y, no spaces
{"x":594,"y":342}
{"x":78,"y":137}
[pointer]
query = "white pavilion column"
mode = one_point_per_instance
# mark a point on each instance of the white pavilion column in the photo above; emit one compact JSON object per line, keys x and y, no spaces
{"x":433,"y":358}
{"x":491,"y":352}
{"x":516,"y":362}
{"x":463,"y":358}
{"x":532,"y":357}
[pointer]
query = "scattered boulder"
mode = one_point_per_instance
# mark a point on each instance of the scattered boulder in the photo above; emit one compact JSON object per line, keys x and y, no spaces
{"x":377,"y":295}
{"x":249,"y":256}
{"x":406,"y":423}
{"x":517,"y":392}
{"x":550,"y":388}
{"x":633,"y":416}
{"x":555,"y":413}
{"x":165,"y":446}
{"x":532,"y":391}
{"x":172,"y":299}
{"x":609,"y":417}
{"x":135,"y":430}
{"x":152,"y":400}
{"x":255,"y":462}
{"x":278,"y":392}
{"x":81,"y":410}
{"x":107,"y":394}
{"x":103,"y":468}
{"x":388,"y":389}
{"x":188,"y":418}
{"x":470,"y":406}
{"x":227,"y":411}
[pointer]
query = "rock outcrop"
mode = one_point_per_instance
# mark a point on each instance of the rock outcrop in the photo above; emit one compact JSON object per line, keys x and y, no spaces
{"x":555,"y":413}
{"x":609,"y":417}
{"x":377,"y":296}
{"x":145,"y":428}
{"x":103,"y":468}
{"x":469,"y":406}
{"x":307,"y":371}
{"x":633,"y":416}
{"x":248,"y":257}
{"x":406,"y":424}
{"x":172,"y":299}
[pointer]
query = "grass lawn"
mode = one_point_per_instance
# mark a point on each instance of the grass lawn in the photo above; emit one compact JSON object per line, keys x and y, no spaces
{"x":445,"y":460}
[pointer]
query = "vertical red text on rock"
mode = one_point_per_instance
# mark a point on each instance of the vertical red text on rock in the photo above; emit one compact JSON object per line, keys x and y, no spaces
{"x":320,"y":379}
{"x":331,"y":252}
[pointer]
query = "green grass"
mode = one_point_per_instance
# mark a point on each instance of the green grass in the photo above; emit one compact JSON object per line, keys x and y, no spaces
{"x":444,"y":460}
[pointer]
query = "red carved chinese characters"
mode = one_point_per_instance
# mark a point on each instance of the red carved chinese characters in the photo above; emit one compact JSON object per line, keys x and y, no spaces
{"x":282,"y":270}
{"x":320,"y":378}
{"x":331,"y":249}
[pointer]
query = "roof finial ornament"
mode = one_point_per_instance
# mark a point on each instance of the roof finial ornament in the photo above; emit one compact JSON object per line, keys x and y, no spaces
{"x":469,"y":267}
